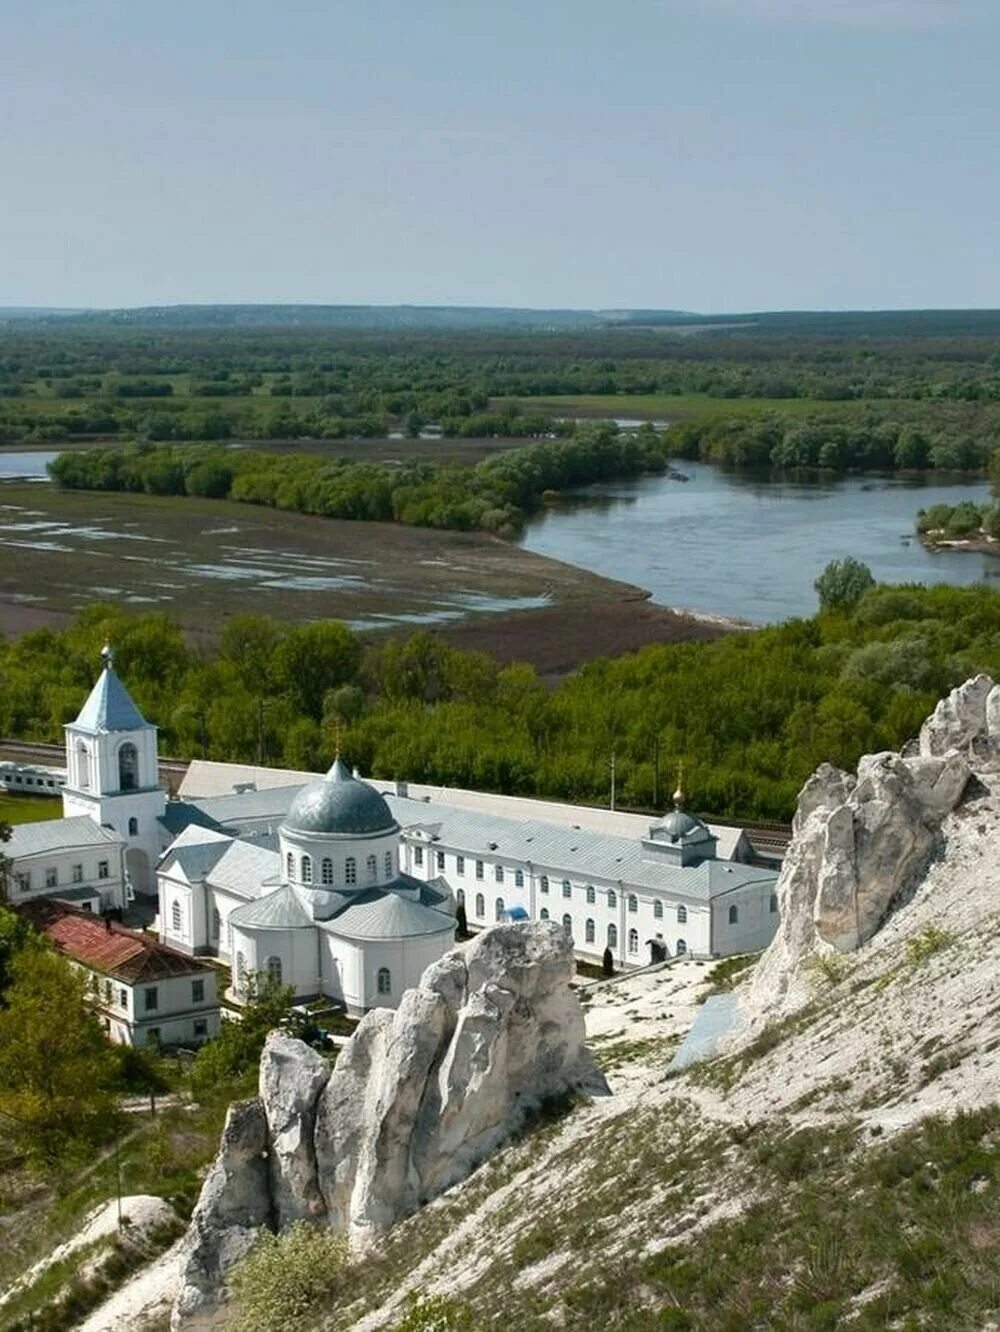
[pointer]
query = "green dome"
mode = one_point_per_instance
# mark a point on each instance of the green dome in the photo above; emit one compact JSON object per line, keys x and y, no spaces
{"x":340,"y":804}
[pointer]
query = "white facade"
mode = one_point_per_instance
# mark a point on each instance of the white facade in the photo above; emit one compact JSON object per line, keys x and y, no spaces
{"x":325,"y":912}
{"x":74,"y":859}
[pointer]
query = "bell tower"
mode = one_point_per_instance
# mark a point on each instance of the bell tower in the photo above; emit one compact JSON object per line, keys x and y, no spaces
{"x":112,"y":771}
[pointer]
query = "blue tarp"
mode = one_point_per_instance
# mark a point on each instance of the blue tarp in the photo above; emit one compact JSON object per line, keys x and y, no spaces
{"x":517,"y":913}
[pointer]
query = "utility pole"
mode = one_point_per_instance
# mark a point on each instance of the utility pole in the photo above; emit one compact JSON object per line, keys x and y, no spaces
{"x":118,"y":1177}
{"x":612,"y":779}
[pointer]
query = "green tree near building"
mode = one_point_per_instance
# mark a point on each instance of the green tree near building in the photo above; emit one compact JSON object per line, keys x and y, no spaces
{"x":57,"y":1071}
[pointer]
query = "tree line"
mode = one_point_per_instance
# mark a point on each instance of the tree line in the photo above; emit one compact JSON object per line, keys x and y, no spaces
{"x":495,"y":495}
{"x":750,"y":715}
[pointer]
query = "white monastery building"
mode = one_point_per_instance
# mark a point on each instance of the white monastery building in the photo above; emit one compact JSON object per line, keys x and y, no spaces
{"x":346,"y":889}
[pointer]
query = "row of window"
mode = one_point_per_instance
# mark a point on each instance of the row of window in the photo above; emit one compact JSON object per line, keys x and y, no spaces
{"x":273,"y":970}
{"x":199,"y":1030}
{"x":22,"y":879}
{"x":633,"y":903}
{"x":326,"y":869}
{"x":151,"y":994}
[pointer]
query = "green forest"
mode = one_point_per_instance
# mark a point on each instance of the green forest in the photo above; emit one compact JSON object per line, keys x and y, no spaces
{"x":750,"y":714}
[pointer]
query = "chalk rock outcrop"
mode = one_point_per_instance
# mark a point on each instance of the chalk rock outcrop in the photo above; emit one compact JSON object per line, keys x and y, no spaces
{"x":231,"y":1214}
{"x":861,"y":843}
{"x":417,"y":1098}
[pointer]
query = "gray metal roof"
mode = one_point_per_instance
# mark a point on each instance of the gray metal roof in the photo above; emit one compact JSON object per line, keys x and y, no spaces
{"x":339,"y":804}
{"x":576,"y":853}
{"x":31,"y":839}
{"x":385,"y":914}
{"x":110,"y":706}
{"x":284,"y":909}
{"x":570,"y":852}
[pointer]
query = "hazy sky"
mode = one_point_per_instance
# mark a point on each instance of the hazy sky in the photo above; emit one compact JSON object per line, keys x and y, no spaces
{"x":709,"y":155}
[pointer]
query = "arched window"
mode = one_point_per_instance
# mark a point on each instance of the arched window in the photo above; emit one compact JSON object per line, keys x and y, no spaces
{"x":567,"y":890}
{"x":633,"y":902}
{"x":543,"y":884}
{"x":734,"y":915}
{"x":241,"y":972}
{"x":681,"y":947}
{"x":612,"y":936}
{"x":543,"y":914}
{"x":384,"y":980}
{"x":612,"y":898}
{"x":273,"y":966}
{"x":388,"y":864}
{"x":176,"y":918}
{"x":128,"y":767}
{"x":519,"y":878}
{"x":326,"y":870}
{"x":568,"y":925}
{"x":82,"y":766}
{"x":133,"y":827}
{"x":633,"y":941}
{"x":774,"y":903}
{"x":307,"y":869}
{"x":460,"y":897}
{"x":480,"y":906}
{"x":350,"y":870}
{"x":371,"y":867}
{"x":216,"y":923}
{"x":657,"y":910}
{"x":591,"y":895}
{"x":589,"y":932}
{"x":682,"y":915}
{"x":498,"y":909}
{"x":290,"y":865}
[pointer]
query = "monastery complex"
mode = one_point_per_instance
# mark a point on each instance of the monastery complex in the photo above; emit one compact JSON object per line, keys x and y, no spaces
{"x":342,"y":888}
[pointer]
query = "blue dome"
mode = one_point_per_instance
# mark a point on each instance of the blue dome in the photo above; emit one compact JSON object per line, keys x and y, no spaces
{"x":339,"y":804}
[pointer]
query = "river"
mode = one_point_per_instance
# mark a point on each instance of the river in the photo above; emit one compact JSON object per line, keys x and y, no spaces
{"x":751,"y":546}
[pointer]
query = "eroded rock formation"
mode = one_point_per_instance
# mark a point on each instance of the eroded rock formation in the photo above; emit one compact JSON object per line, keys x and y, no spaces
{"x":861,"y":843}
{"x":417,"y":1098}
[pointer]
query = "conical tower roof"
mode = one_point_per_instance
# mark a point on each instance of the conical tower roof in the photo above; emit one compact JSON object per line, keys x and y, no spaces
{"x":110,"y":706}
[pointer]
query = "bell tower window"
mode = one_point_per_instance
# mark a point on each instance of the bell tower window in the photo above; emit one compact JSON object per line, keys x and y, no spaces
{"x":83,"y":766}
{"x":128,"y":767}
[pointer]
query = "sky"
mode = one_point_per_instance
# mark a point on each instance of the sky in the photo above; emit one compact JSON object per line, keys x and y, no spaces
{"x":704,"y":155}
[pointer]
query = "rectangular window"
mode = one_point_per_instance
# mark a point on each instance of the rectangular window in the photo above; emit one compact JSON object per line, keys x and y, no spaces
{"x":519,"y":878}
{"x":103,"y":871}
{"x":498,"y":873}
{"x":440,"y":860}
{"x":459,"y":864}
{"x":123,"y":998}
{"x":51,"y":878}
{"x":479,"y":869}
{"x":198,"y":992}
{"x":774,"y":903}
{"x":200,"y":1028}
{"x":107,"y":992}
{"x":152,"y":1000}
{"x":418,"y":855}
{"x":23,"y":882}
{"x":78,"y":874}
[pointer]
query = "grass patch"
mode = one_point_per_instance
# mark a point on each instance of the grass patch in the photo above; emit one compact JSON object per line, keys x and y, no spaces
{"x":727,"y":974}
{"x":682,"y":406}
{"x":28,"y":809}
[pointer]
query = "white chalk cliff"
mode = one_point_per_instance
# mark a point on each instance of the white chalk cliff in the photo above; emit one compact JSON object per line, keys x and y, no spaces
{"x":417,"y":1098}
{"x":862,"y":843}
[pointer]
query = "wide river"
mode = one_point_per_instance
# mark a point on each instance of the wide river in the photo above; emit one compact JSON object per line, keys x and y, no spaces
{"x":750,"y":546}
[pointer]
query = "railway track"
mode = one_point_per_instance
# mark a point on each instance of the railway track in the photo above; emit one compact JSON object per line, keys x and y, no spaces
{"x":54,"y":756}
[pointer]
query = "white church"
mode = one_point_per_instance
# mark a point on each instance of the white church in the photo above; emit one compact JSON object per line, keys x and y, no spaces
{"x":347,"y":889}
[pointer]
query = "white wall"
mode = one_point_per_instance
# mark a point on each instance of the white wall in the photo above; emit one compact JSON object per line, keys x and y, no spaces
{"x":64,"y":862}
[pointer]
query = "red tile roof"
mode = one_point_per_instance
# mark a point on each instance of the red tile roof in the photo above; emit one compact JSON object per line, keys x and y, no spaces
{"x":106,"y":946}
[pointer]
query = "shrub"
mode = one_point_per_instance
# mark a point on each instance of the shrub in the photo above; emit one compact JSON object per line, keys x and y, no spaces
{"x":284,"y":1277}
